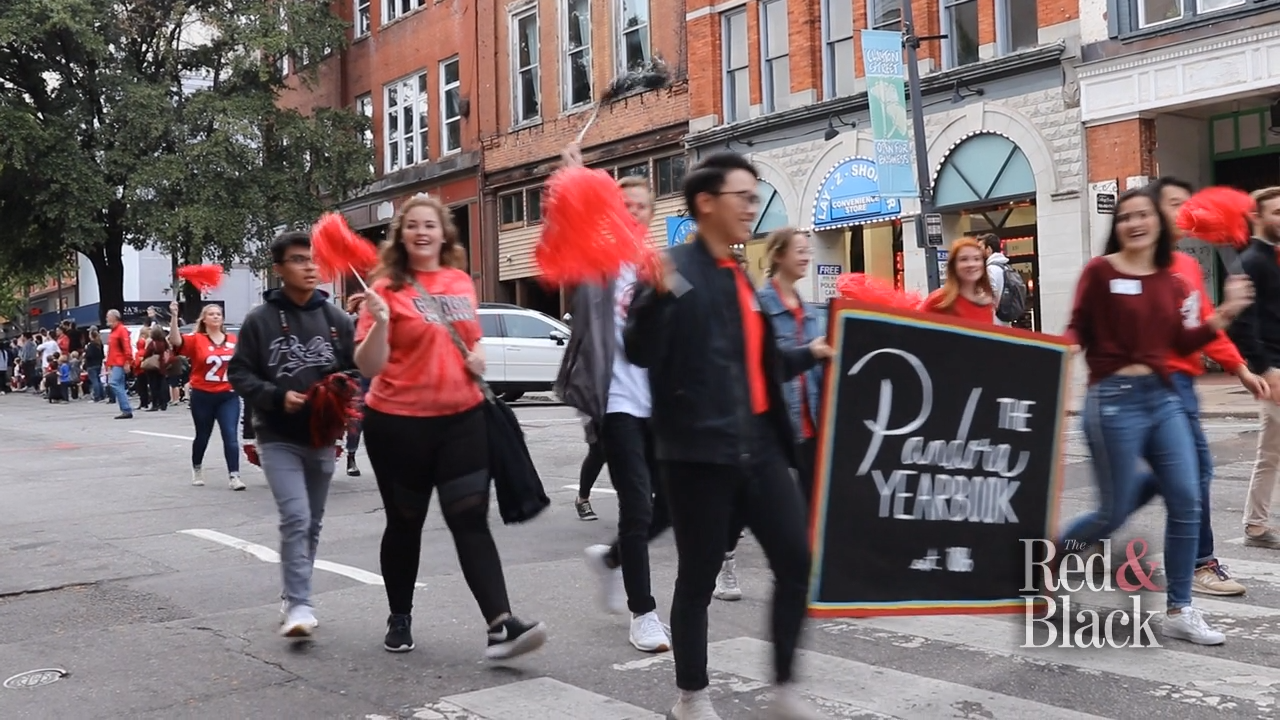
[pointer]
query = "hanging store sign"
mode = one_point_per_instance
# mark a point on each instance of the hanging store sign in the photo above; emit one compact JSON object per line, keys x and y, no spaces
{"x":679,"y":230}
{"x":887,"y":100}
{"x":850,"y":195}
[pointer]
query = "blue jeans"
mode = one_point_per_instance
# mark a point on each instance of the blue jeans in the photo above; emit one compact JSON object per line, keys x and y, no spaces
{"x":224,"y":409}
{"x":119,"y":385}
{"x":1126,"y":419}
{"x":1185,"y":386}
{"x":95,"y":383}
{"x":299,"y":478}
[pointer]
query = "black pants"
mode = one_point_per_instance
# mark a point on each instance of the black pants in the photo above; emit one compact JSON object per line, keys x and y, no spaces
{"x":411,"y":456}
{"x":704,"y":501}
{"x":642,"y":513}
{"x":158,"y":387}
{"x":806,"y":458}
{"x":591,"y":466}
{"x":142,"y":386}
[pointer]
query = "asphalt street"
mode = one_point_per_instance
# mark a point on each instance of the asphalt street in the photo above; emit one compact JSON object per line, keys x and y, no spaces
{"x":159,"y":600}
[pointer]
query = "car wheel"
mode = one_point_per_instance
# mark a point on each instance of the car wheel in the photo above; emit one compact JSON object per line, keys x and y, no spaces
{"x":512,"y":395}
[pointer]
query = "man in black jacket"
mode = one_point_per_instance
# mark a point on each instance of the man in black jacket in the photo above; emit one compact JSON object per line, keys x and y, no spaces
{"x":1257,"y":335}
{"x":722,"y":435}
{"x":286,"y":345}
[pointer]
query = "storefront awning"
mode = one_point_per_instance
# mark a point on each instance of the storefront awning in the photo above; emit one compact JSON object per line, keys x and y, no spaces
{"x":849,"y":195}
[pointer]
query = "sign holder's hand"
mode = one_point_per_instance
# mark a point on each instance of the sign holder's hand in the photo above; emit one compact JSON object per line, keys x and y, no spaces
{"x":820,"y":349}
{"x":294,"y":401}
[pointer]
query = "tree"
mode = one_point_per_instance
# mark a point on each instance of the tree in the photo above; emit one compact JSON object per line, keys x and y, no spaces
{"x":157,"y":122}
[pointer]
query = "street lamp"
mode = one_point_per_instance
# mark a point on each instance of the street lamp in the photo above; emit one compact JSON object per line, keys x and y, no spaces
{"x":911,"y":42}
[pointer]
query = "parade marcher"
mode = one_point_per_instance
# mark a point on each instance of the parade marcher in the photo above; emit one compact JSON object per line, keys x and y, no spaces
{"x":210,"y":349}
{"x":424,"y":424}
{"x":355,"y":427}
{"x":795,"y":323}
{"x":288,"y":344}
{"x":1128,"y":322}
{"x":966,"y":289}
{"x":722,"y":434}
{"x":119,"y":361}
{"x":592,"y":464}
{"x":598,"y":381}
{"x":1257,"y":335}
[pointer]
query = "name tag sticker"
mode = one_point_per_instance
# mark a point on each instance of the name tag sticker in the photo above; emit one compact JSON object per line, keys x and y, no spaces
{"x":1126,"y":286}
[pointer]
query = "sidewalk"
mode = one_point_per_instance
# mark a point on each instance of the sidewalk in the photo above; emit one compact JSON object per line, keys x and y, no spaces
{"x":1220,"y":397}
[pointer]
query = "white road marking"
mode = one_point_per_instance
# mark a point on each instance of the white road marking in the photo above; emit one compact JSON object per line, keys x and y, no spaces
{"x":1240,"y":569}
{"x":266,"y":554}
{"x":538,"y":699}
{"x":874,"y":689}
{"x":161,"y":435}
{"x":604,"y":490}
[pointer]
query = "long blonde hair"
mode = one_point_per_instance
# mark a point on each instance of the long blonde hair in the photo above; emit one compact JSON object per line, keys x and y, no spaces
{"x":777,"y":245}
{"x":393,"y":259}
{"x":201,"y":328}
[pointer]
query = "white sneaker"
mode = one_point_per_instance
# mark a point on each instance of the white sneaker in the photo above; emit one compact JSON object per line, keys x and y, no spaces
{"x":197,"y":476}
{"x":1189,"y":625}
{"x":727,"y":581}
{"x":613,"y":596}
{"x":648,"y":635}
{"x":234,"y":482}
{"x":788,"y":705}
{"x":299,"y":622}
{"x":693,"y":706}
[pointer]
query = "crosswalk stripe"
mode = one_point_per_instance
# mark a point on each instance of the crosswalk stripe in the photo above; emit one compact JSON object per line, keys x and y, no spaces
{"x":1207,"y":674}
{"x":875,"y":689}
{"x":539,"y":699}
{"x":1214,"y":608}
{"x":1240,"y":569}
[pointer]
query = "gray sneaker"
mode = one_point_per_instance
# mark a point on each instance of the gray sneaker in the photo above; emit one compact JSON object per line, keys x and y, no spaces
{"x":1268,"y":538}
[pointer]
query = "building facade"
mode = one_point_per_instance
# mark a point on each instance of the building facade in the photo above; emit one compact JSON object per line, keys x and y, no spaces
{"x":783,"y":83}
{"x":1176,"y":87}
{"x":547,"y":62}
{"x":411,"y":68}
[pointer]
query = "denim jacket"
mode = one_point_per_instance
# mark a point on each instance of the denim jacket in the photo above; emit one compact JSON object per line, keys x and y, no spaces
{"x":784,"y":327}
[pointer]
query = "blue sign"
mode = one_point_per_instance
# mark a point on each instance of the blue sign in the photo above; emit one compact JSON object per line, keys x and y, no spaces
{"x":850,"y":195}
{"x":679,"y":230}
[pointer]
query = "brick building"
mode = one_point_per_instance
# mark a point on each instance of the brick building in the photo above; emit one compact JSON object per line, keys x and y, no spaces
{"x":550,"y":60}
{"x":783,"y":82}
{"x":411,"y":67}
{"x":1174,"y":87}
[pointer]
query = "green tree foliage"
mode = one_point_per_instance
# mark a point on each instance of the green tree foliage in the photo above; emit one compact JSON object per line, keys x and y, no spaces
{"x":157,"y":123}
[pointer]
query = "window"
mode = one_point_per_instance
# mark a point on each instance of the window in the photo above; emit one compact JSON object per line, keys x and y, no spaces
{"x":406,"y":122}
{"x":283,"y":60}
{"x":633,"y":34}
{"x":511,"y":209}
{"x":364,"y":107}
{"x":1154,"y":12}
{"x":524,"y":48}
{"x":575,"y":86}
{"x":638,"y":170}
{"x":450,"y":110}
{"x":362,"y":17}
{"x":490,"y":326}
{"x":1207,"y":6}
{"x":533,"y":205}
{"x":392,"y":9}
{"x":526,"y":327}
{"x":737,"y":76}
{"x":887,"y":14}
{"x":837,"y":47}
{"x":775,"y":50}
{"x":1019,"y":28}
{"x":962,"y":30}
{"x":670,"y":175}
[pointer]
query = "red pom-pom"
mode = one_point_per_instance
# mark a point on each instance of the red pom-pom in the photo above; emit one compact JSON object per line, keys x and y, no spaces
{"x":203,"y":277}
{"x":587,"y":233}
{"x":874,"y":291}
{"x":1217,"y":215}
{"x":332,"y":402}
{"x":338,"y":250}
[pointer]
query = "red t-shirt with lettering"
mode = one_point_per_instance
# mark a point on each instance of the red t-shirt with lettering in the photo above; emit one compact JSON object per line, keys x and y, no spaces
{"x":425,"y":374}
{"x":962,"y":307}
{"x":208,"y":361}
{"x":752,"y":337}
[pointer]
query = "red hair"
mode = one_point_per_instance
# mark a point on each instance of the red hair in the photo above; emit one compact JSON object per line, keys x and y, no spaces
{"x":951,"y":285}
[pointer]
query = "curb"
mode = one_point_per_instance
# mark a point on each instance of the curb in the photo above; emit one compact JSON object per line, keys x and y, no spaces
{"x":1216,"y":414}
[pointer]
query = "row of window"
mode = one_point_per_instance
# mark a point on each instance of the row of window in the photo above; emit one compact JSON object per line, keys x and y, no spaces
{"x":524,"y":207}
{"x":406,"y":117}
{"x":1158,"y":12}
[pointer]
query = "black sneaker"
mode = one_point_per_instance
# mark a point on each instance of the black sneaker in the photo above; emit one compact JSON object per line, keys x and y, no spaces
{"x":353,"y":470}
{"x":585,"y":513}
{"x":399,"y":639}
{"x":513,"y":638}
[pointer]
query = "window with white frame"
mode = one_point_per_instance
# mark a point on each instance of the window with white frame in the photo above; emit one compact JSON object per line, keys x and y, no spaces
{"x":524,"y":53}
{"x":575,"y":83}
{"x":363,"y":17}
{"x":886,"y":14}
{"x":364,"y":107}
{"x":775,"y":49}
{"x":392,"y":9}
{"x":633,"y":34}
{"x":737,"y":75}
{"x":960,"y":20}
{"x":450,"y":107}
{"x":1154,"y":12}
{"x":1208,"y":6}
{"x":1019,"y":26}
{"x":405,"y":123}
{"x":837,"y":47}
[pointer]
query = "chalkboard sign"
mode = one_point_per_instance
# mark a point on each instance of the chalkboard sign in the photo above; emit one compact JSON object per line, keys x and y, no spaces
{"x":939,"y":453}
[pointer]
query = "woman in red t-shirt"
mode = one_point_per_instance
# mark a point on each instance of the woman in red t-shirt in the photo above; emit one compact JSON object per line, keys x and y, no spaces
{"x":209,"y":349}
{"x":966,"y":292}
{"x":424,"y":424}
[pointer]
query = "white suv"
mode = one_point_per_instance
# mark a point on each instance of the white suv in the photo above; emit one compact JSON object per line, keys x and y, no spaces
{"x":522,"y":349}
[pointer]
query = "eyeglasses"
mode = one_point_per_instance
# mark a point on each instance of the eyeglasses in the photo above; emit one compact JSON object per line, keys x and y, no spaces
{"x":748,"y":196}
{"x":302,"y":260}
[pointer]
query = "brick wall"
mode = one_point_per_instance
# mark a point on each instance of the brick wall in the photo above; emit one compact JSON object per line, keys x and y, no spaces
{"x":1121,"y":150}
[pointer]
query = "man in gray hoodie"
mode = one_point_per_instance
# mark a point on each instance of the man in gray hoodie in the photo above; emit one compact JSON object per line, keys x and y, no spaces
{"x":996,"y":264}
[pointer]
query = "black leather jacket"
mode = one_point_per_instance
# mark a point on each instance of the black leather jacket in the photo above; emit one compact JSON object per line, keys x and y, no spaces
{"x":690,"y":339}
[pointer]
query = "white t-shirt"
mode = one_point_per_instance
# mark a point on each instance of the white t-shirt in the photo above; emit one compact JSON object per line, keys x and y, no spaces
{"x":629,"y":389}
{"x":47,"y":349}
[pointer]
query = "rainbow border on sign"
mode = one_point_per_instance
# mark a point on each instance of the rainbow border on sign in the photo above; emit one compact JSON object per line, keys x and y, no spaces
{"x":838,"y":311}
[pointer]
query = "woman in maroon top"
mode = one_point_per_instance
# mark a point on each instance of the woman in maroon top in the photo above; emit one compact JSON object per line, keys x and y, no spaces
{"x":1127,"y":321}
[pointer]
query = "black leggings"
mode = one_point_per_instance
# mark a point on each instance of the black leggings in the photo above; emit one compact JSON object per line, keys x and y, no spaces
{"x":806,"y":458}
{"x":411,"y":456}
{"x":591,"y":467}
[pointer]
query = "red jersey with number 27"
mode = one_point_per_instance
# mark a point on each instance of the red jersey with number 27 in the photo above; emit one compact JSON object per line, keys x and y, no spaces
{"x":208,"y":361}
